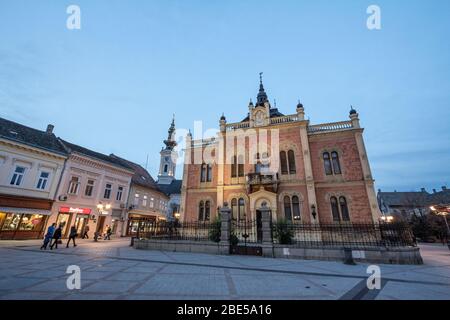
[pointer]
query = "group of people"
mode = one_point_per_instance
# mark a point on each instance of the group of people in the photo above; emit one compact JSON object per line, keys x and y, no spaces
{"x":54,"y":235}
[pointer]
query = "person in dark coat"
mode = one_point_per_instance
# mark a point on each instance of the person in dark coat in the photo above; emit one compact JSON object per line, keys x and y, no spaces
{"x":48,"y":236}
{"x":56,"y":236}
{"x":108,"y":233}
{"x":73,"y":234}
{"x":85,"y":233}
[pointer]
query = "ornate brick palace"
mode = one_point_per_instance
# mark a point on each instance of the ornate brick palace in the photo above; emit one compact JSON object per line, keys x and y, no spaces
{"x":304,"y":172}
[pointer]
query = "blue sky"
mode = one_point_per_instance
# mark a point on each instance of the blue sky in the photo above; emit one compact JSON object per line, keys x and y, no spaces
{"x":113,"y":85}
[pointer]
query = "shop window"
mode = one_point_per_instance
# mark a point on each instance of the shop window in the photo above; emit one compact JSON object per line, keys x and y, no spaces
{"x":12,"y":221}
{"x":31,"y":222}
{"x":108,"y":189}
{"x":89,"y":188}
{"x":43,"y":180}
{"x":18,"y":175}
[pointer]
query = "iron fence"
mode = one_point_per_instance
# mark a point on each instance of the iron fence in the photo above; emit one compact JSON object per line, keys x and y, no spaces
{"x":343,"y":235}
{"x":193,"y":231}
{"x":246,"y":231}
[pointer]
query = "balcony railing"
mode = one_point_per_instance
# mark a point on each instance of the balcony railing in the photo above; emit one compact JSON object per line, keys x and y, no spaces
{"x":284,"y":119}
{"x":327,"y":127}
{"x":237,"y":125}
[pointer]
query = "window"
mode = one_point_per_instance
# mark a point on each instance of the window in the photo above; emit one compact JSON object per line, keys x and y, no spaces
{"x":17,"y":177}
{"x":241,"y":209}
{"x":237,"y":166}
{"x":165,"y":168}
{"x":108,"y":189}
{"x":234,"y":209}
{"x":283,"y":160}
{"x":327,"y":163}
{"x":296,"y":208}
{"x":11,"y":222}
{"x":203,"y":173}
{"x":344,"y":209}
{"x":291,"y":159}
{"x":287,"y":208}
{"x":119,"y":193}
{"x":336,"y":164}
{"x":31,"y":222}
{"x":201,"y":210}
{"x":335,"y":209}
{"x":89,"y":188}
{"x":43,"y":179}
{"x":152,"y":202}
{"x":207,"y":210}
{"x":74,"y":185}
{"x":136,"y":199}
{"x":209,"y":173}
{"x":144,"y":201}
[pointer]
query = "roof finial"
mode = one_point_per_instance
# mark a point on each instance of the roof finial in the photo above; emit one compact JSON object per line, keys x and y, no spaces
{"x":262,"y":96}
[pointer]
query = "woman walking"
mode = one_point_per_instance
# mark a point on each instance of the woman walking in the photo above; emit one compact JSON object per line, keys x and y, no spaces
{"x":56,"y":236}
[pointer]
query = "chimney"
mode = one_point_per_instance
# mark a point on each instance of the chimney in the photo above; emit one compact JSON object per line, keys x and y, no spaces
{"x":444,"y":188}
{"x":50,"y":128}
{"x":423,"y":190}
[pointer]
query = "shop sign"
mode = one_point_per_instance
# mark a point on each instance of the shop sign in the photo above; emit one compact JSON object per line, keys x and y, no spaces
{"x":75,"y":210}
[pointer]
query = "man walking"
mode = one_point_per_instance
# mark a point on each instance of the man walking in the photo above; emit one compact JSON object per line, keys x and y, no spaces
{"x":73,"y":234}
{"x":108,"y":233}
{"x":85,"y":233}
{"x":49,"y":235}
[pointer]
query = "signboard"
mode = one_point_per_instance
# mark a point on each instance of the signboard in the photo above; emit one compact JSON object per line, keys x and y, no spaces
{"x":75,"y":210}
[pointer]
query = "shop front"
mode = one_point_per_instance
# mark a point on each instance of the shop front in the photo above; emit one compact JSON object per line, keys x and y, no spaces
{"x":72,"y":216}
{"x":22,"y":223}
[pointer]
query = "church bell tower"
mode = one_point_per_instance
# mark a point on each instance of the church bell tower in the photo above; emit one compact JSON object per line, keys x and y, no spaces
{"x":168,"y":161}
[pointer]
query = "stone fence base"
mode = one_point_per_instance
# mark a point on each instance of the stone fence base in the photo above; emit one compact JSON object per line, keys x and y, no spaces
{"x":405,"y":255}
{"x":182,"y":246}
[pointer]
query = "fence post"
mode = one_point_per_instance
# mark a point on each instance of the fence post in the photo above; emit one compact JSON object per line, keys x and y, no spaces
{"x":225,"y":228}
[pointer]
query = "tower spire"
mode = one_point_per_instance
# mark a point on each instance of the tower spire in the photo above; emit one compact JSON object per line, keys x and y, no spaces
{"x":170,"y":143}
{"x":262,"y":96}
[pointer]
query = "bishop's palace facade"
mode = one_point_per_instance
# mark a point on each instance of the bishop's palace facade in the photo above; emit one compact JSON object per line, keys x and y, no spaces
{"x":303,"y":172}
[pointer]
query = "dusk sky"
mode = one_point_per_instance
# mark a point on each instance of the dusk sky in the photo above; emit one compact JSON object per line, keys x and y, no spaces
{"x":113,"y":85}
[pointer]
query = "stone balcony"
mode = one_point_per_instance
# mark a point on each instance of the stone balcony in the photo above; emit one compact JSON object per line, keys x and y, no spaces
{"x":260,"y":181}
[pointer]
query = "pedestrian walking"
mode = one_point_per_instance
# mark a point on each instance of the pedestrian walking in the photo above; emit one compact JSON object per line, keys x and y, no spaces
{"x":85,"y":233}
{"x":56,"y":237}
{"x":48,"y":236}
{"x":73,"y":234}
{"x":108,"y":233}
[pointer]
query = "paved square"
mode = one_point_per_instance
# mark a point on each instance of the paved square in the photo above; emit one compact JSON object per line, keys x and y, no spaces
{"x":113,"y":270}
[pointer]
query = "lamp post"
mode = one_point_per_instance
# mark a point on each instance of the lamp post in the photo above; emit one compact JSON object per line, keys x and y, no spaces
{"x":443,"y":211}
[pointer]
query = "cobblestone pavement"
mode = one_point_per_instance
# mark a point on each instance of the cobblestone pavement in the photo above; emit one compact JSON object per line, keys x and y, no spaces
{"x":114,"y":270}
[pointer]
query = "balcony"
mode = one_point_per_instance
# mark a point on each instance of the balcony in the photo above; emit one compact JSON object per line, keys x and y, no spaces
{"x":262,"y":181}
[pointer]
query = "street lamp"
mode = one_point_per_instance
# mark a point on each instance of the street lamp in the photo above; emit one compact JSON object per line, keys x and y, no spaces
{"x":386,"y":218}
{"x":443,"y":211}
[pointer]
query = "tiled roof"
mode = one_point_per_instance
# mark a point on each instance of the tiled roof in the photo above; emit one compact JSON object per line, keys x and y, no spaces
{"x":93,"y":154}
{"x":32,"y":137}
{"x":273,"y":114}
{"x":141,"y":176}
{"x":173,"y":188}
{"x":421,"y":198}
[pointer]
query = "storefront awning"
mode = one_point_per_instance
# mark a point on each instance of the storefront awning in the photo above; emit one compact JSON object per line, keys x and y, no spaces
{"x":25,"y":211}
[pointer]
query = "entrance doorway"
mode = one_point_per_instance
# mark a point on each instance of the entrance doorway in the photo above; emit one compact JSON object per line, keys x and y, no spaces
{"x":80,"y":223}
{"x":100,"y":224}
{"x":63,"y":220}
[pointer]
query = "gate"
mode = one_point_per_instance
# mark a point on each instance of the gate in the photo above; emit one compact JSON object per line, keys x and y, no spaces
{"x":246,"y":237}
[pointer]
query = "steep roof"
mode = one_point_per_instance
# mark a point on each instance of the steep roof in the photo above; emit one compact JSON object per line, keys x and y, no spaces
{"x":32,"y":137}
{"x":93,"y":154}
{"x":173,"y":188}
{"x":421,"y":198}
{"x":141,"y":176}
{"x":273,"y":114}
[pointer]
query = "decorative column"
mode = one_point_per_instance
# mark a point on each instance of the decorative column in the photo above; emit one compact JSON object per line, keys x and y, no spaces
{"x":266,"y":222}
{"x":225,"y":229}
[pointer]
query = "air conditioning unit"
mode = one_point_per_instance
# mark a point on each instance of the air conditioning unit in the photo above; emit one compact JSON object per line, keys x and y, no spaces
{"x":62,"y":197}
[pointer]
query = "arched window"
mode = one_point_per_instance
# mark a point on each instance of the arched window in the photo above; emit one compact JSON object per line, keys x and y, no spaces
{"x":283,"y":161}
{"x":291,"y":159}
{"x":234,"y":167}
{"x":344,"y":209}
{"x":287,"y":208}
{"x":207,"y":210}
{"x":209,"y":173}
{"x":336,"y":164}
{"x":203,"y":173}
{"x":296,"y":208}
{"x":335,"y":209}
{"x":165,"y":168}
{"x":234,"y":209}
{"x":240,"y":166}
{"x":241,"y":209}
{"x":201,"y":210}
{"x":327,"y":163}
